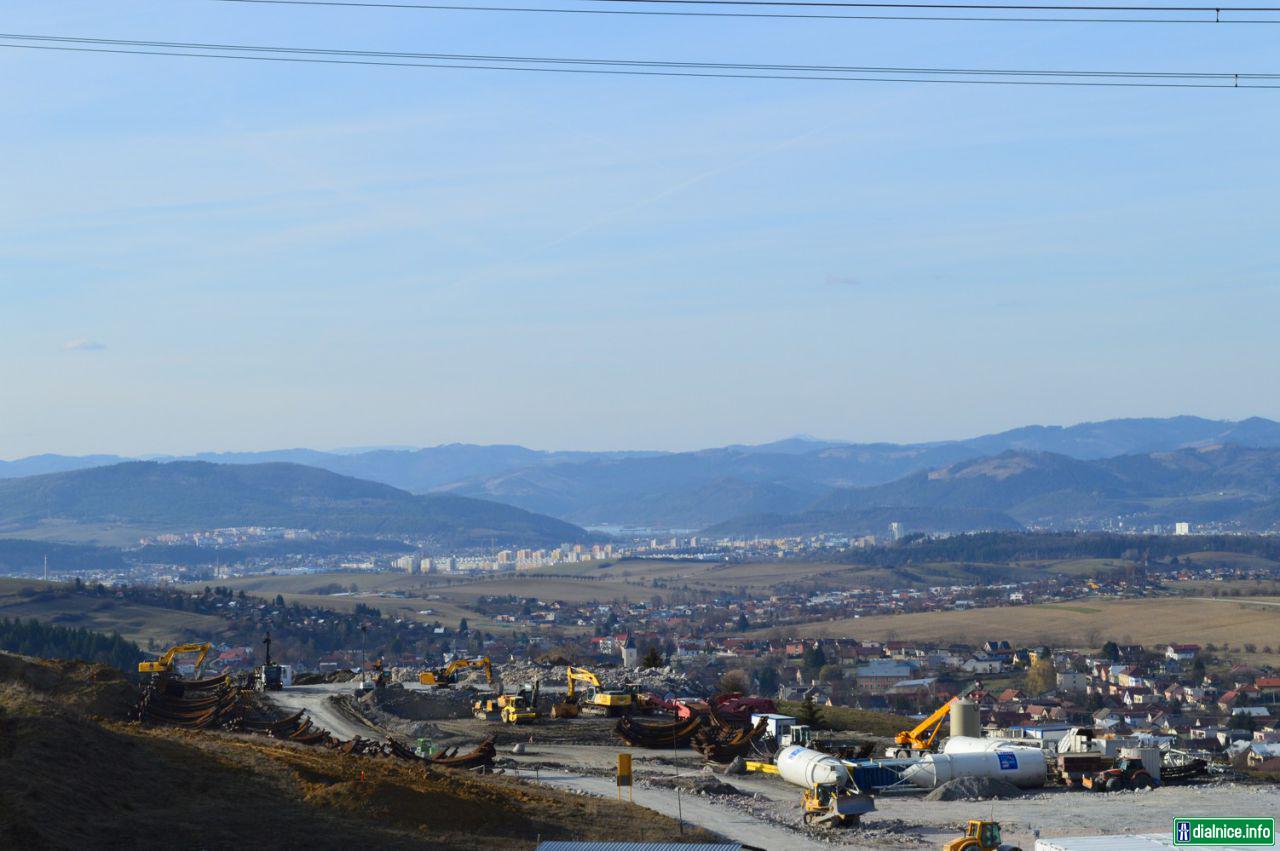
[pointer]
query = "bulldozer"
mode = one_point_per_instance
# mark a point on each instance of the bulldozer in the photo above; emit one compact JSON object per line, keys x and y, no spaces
{"x":166,"y":664}
{"x":598,"y":700}
{"x":980,"y":836}
{"x":448,"y":675}
{"x":829,"y":805}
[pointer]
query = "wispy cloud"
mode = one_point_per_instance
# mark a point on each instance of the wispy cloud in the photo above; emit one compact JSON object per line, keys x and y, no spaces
{"x":843,"y":281}
{"x":83,"y":344}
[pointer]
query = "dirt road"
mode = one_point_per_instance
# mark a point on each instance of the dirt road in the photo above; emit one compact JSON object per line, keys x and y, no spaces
{"x":726,"y":821}
{"x":315,"y":700}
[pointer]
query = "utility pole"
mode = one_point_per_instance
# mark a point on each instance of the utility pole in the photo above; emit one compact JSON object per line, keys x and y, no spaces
{"x":364,"y":632}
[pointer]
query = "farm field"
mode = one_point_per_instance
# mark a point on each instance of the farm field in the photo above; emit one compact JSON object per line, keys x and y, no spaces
{"x":1080,"y":624}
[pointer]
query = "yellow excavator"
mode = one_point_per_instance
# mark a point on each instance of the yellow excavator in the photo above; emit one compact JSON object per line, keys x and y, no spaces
{"x":921,"y":738}
{"x":165,"y":664}
{"x":448,"y":675}
{"x":611,"y":702}
{"x":980,"y":836}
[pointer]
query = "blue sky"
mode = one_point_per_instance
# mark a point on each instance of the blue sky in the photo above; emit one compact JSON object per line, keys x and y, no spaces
{"x":201,"y":255}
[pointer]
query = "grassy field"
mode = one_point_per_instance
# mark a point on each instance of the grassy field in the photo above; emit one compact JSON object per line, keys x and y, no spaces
{"x":855,"y":720}
{"x":1149,"y":622}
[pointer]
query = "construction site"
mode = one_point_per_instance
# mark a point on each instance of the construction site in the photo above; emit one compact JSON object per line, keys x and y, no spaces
{"x":522,"y":753}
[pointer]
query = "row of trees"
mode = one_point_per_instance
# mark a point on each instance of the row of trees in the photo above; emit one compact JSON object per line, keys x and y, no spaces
{"x":49,"y":641}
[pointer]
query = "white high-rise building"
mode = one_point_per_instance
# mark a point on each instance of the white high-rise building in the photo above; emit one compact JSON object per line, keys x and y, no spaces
{"x":1182,"y":528}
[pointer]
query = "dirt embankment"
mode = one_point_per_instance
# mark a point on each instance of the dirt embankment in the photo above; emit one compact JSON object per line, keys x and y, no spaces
{"x":72,"y":778}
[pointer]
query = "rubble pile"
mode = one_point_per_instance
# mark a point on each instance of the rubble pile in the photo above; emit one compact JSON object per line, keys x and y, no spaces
{"x":430,"y":704}
{"x":698,"y":784}
{"x":974,"y":789}
{"x":660,"y":681}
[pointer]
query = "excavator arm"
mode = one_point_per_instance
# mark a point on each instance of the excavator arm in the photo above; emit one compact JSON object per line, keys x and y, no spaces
{"x":579,"y":675}
{"x":922,"y":736}
{"x":447,"y":674}
{"x":165,"y":662}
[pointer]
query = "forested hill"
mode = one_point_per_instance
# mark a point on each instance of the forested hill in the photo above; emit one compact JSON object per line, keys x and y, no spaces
{"x":192,"y":495}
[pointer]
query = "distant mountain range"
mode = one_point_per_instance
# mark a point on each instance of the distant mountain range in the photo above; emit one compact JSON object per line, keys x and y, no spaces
{"x":790,"y":478}
{"x":186,"y":496}
{"x":1217,"y":484}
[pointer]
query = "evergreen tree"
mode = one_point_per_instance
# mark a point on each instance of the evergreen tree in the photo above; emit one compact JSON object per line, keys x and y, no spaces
{"x":652,"y":658}
{"x":809,"y":713}
{"x":814,"y":657}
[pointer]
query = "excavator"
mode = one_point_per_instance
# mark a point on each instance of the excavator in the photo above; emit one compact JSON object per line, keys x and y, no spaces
{"x":920,"y":739}
{"x":610,"y":702}
{"x":165,"y":664}
{"x":980,"y":836}
{"x":448,"y":675}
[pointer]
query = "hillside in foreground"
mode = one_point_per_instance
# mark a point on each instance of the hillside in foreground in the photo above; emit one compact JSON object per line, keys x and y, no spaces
{"x":188,"y":496}
{"x":74,"y":774}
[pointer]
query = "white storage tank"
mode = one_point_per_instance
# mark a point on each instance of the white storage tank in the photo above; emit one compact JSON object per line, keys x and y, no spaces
{"x":1023,"y":767}
{"x":809,"y":768}
{"x":965,"y":720}
{"x":969,"y":744}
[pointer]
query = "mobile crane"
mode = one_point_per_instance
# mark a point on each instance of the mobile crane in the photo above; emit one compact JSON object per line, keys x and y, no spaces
{"x":920,"y":739}
{"x":611,"y":702}
{"x":165,"y":663}
{"x":448,"y":675}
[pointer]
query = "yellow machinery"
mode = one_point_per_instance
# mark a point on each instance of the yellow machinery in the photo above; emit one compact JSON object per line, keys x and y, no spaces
{"x":517,"y":708}
{"x":921,"y":738}
{"x":166,"y":665}
{"x":825,"y":804}
{"x":611,"y":702}
{"x":448,"y":675}
{"x":980,"y":836}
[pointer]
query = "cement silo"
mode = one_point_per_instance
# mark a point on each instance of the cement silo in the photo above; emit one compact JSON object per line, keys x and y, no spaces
{"x":965,"y":720}
{"x":1023,"y":767}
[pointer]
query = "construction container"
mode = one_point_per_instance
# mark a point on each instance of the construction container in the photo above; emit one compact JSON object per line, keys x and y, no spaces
{"x":808,"y":768}
{"x":1023,"y":767}
{"x":965,"y":720}
{"x":1151,"y":759}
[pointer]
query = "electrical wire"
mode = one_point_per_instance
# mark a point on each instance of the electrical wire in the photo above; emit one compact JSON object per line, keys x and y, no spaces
{"x":1216,"y":19}
{"x":645,"y":67}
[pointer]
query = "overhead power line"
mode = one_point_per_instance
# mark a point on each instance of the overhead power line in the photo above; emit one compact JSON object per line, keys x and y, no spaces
{"x":646,"y":67}
{"x":918,"y":11}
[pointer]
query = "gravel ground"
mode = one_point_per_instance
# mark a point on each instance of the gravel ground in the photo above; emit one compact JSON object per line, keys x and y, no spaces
{"x":766,"y":812}
{"x":904,"y":821}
